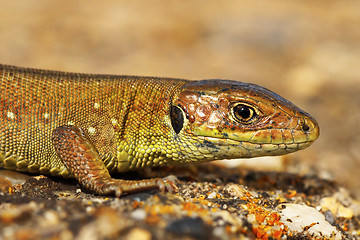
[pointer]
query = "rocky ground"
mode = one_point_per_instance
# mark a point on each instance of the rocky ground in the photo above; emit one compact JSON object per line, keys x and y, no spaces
{"x":307,"y":52}
{"x":213,"y":202}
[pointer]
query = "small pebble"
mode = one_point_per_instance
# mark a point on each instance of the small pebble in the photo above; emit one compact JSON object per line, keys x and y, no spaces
{"x":336,"y":208}
{"x":219,"y":232}
{"x":329,"y":217}
{"x":212,"y":195}
{"x":139,"y":234}
{"x":194,"y":227}
{"x":51,"y":218}
{"x":304,"y":219}
{"x":138,"y":214}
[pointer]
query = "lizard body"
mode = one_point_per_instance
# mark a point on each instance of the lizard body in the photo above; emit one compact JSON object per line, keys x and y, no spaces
{"x":85,"y":125}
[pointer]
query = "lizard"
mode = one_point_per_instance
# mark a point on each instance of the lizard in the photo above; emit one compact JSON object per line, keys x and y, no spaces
{"x":87,"y":126}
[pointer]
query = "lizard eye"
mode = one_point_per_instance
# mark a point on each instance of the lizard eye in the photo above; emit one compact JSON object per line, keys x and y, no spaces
{"x":244,"y":113}
{"x":177,"y":118}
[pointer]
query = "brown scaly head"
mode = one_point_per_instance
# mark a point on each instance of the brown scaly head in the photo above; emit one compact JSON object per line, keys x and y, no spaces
{"x":217,"y":119}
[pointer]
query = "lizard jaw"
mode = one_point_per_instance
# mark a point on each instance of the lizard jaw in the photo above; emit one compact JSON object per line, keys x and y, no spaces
{"x":229,"y":148}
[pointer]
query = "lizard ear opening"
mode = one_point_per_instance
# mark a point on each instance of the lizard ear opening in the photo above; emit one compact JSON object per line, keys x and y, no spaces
{"x":177,"y":118}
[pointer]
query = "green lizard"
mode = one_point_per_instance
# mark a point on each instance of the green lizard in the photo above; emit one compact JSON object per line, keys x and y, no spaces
{"x":87,"y":126}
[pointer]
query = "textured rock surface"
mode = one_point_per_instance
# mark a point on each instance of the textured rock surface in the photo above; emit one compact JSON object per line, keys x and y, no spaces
{"x":213,"y":202}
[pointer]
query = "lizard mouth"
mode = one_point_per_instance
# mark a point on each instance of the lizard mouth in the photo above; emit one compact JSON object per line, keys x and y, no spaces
{"x":230,"y":148}
{"x":255,"y":145}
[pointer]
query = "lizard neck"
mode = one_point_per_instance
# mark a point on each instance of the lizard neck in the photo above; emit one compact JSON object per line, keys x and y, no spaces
{"x":143,"y":125}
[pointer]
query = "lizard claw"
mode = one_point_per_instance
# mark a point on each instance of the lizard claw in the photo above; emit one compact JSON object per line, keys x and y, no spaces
{"x":168,"y":184}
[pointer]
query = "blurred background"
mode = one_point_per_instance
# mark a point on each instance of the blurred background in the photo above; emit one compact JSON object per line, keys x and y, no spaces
{"x":308,"y":53}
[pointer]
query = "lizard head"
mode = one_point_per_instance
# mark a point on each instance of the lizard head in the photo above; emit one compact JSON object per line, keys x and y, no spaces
{"x":230,"y":119}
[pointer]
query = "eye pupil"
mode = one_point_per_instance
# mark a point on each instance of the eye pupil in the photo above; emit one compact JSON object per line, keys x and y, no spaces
{"x":243,"y":112}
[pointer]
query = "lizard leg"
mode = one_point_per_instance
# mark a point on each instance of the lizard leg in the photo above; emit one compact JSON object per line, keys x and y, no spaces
{"x":81,"y":158}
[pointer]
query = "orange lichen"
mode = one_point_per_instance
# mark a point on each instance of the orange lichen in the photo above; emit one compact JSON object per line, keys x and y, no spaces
{"x":266,"y":223}
{"x":137,"y":204}
{"x":345,"y":227}
{"x":260,"y":233}
{"x":277,"y":234}
{"x":192,"y":207}
{"x":273,"y":219}
{"x":291,"y":193}
{"x":281,"y":200}
{"x":159,"y":209}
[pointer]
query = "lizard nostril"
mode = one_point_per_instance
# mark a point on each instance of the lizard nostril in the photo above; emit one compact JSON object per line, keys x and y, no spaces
{"x":305,"y":127}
